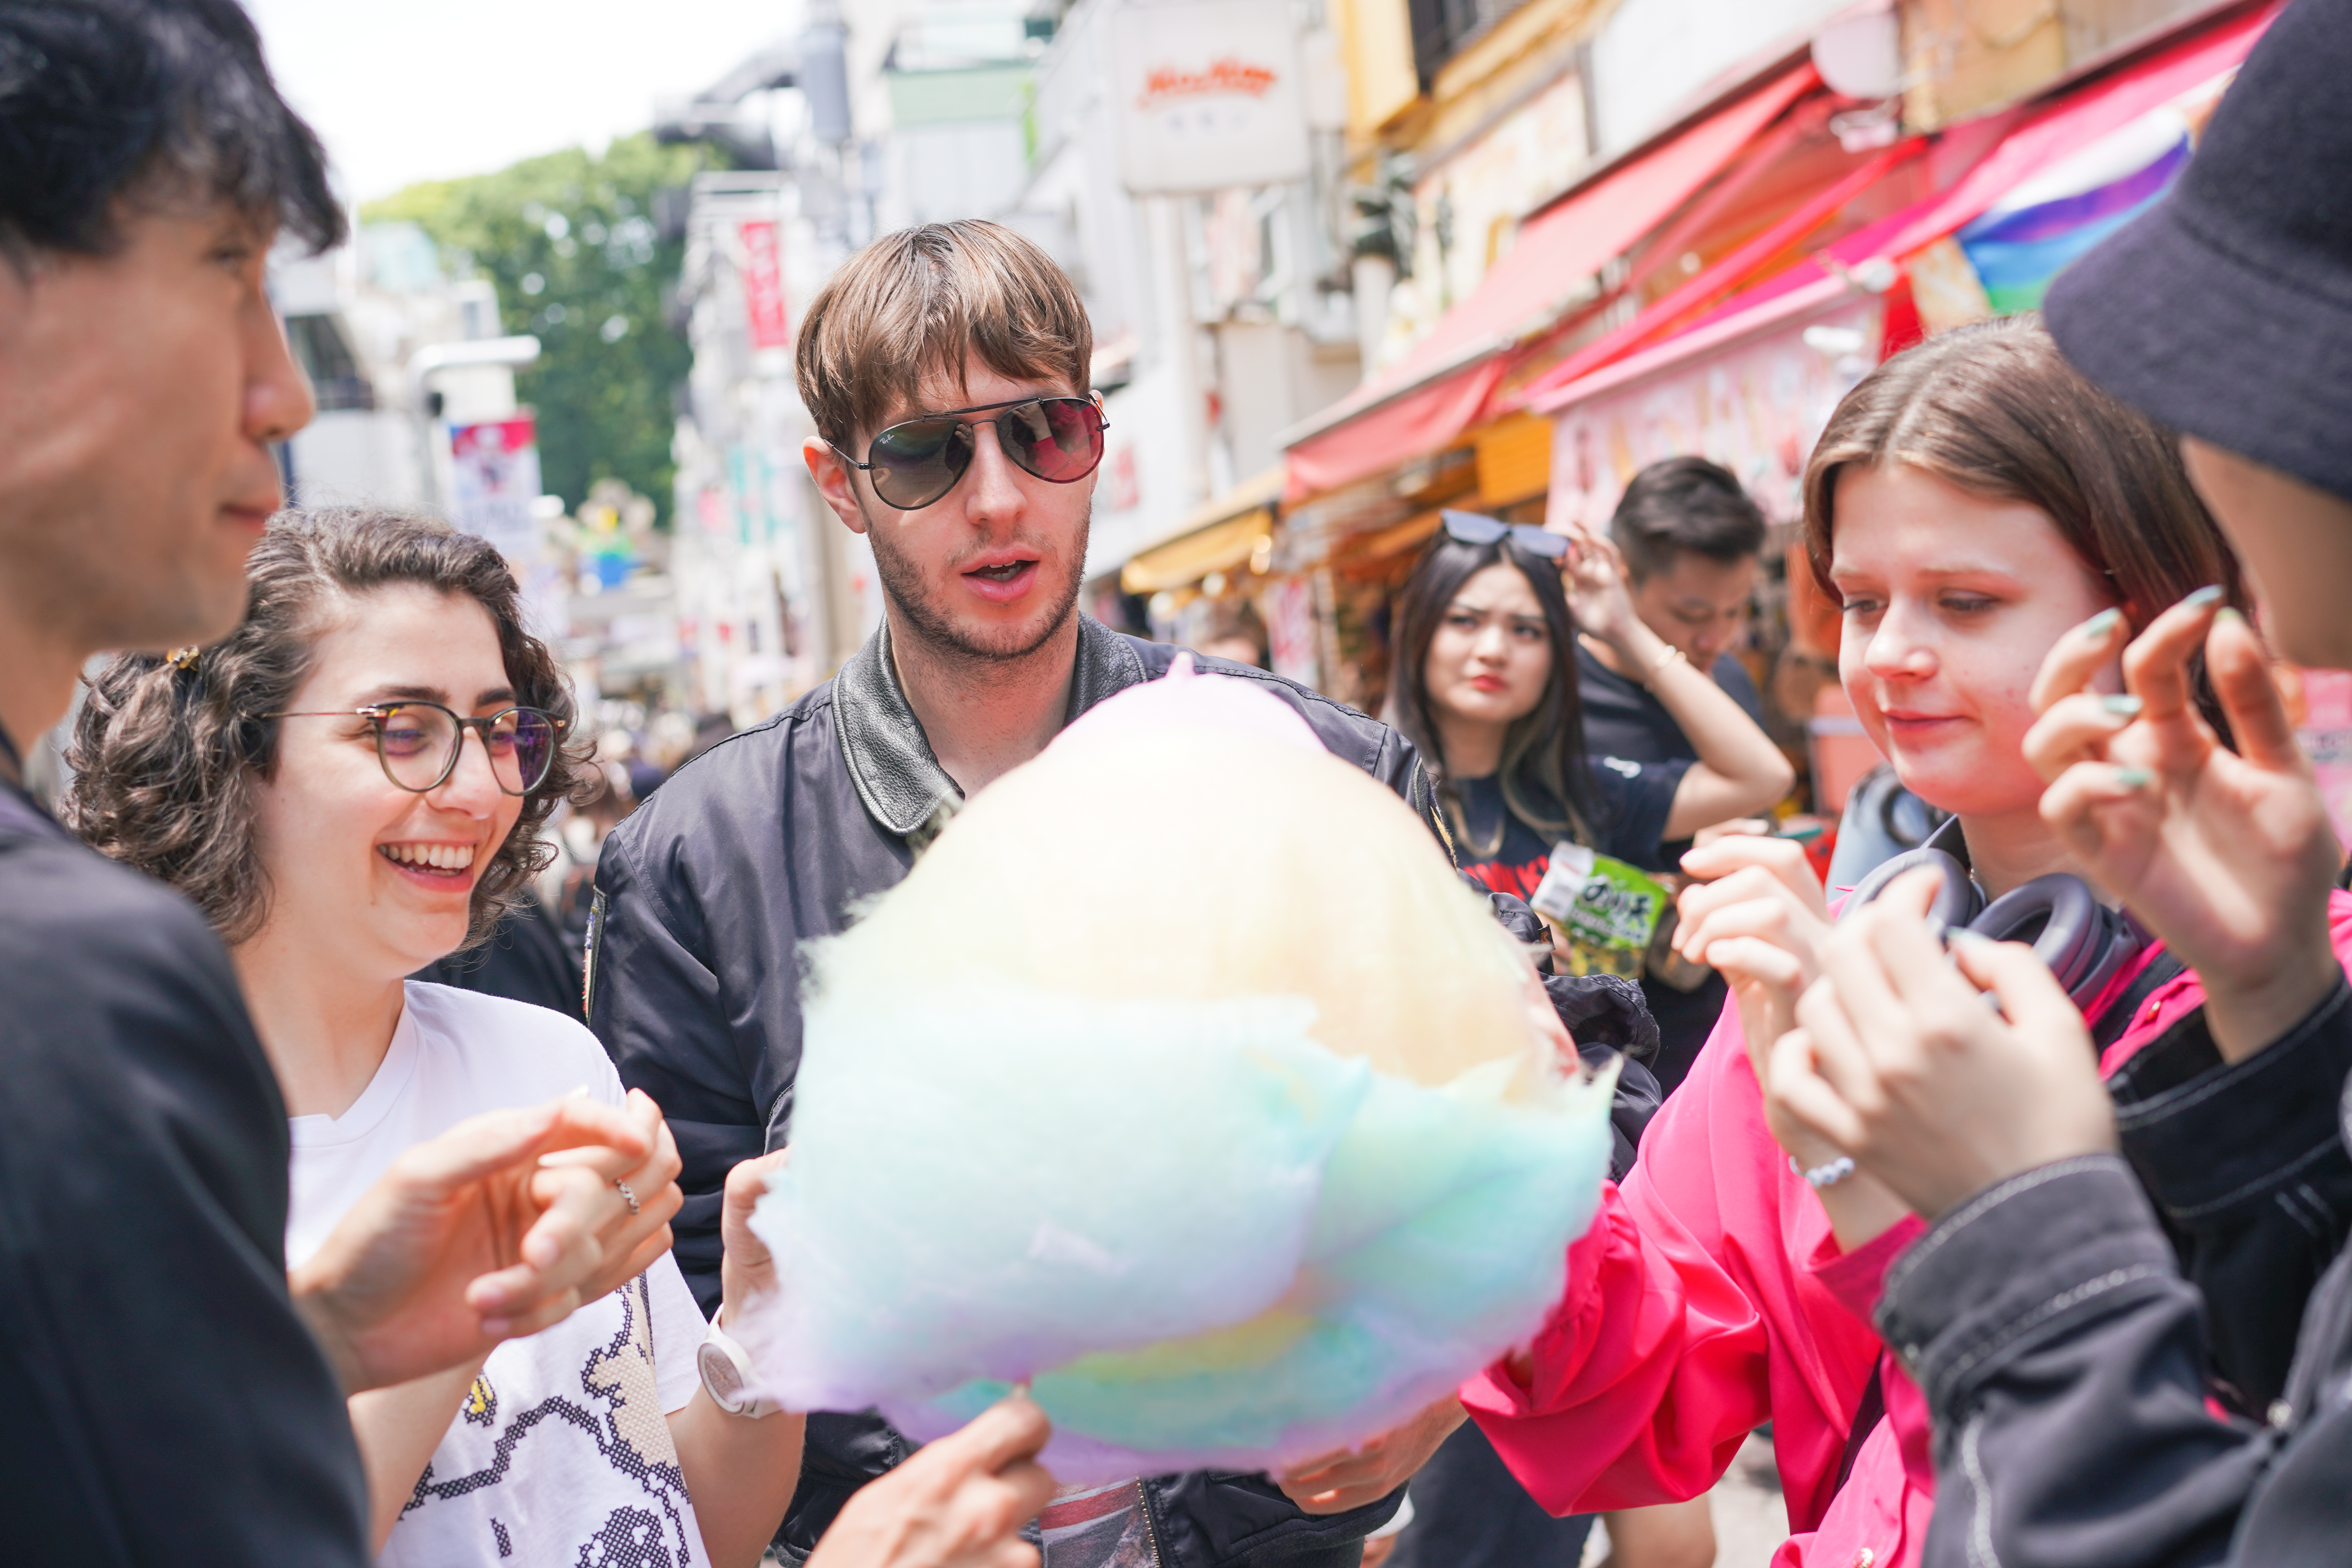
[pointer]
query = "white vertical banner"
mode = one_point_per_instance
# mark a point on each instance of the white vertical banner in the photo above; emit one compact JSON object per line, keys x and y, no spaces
{"x":1208,"y":95}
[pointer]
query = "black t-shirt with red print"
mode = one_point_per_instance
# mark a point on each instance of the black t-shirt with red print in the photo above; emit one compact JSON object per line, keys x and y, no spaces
{"x":1629,"y":805}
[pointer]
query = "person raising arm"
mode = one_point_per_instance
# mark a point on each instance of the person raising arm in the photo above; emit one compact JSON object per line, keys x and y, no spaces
{"x":1485,"y":684}
{"x":1740,"y":771}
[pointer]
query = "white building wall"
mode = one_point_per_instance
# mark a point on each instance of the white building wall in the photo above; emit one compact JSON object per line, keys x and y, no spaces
{"x":353,"y":457}
{"x":1653,"y":57}
{"x":957,"y":170}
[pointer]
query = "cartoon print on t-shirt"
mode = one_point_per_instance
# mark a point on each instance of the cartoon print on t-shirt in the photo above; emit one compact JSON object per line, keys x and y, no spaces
{"x":620,"y":1410}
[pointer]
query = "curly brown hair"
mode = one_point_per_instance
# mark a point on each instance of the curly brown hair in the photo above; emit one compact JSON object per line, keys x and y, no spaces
{"x":167,"y":749}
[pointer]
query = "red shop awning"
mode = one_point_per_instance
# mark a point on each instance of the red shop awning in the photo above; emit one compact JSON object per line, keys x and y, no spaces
{"x":1668,"y":334}
{"x":1441,"y":388}
{"x":2074,"y":120}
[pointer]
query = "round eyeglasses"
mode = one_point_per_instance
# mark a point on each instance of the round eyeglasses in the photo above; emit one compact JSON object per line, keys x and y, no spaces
{"x":417,"y":742}
{"x":911,"y":464}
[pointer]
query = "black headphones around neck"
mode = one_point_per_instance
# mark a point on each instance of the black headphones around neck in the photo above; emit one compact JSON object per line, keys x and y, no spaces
{"x":2085,"y":942}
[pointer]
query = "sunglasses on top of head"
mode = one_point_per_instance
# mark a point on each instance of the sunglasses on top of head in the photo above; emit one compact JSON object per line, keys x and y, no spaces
{"x":914,"y":463}
{"x":1476,"y":528}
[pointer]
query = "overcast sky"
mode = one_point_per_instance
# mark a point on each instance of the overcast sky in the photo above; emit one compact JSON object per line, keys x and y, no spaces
{"x":427,"y":89}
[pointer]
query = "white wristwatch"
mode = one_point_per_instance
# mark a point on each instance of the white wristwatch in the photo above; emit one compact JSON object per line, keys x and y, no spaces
{"x":726,"y":1368}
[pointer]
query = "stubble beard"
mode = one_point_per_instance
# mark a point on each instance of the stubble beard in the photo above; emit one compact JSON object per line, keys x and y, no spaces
{"x":919,"y":615}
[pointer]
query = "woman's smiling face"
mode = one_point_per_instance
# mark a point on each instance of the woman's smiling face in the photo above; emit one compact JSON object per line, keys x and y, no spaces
{"x":390,"y":873}
{"x":1951,"y":601}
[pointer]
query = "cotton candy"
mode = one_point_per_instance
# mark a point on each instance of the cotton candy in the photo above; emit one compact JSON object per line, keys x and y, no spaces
{"x":1184,"y":1081}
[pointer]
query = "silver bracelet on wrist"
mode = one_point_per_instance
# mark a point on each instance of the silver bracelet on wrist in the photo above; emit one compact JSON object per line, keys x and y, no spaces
{"x":1828,"y":1176}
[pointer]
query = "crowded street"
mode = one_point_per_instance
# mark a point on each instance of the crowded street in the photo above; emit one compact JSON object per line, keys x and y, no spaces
{"x":1176,"y":784}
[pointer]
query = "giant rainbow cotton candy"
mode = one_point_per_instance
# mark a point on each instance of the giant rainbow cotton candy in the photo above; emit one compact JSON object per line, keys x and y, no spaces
{"x":1182,"y":1079}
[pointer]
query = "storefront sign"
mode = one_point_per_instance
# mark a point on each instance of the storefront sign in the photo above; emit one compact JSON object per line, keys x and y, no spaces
{"x":1756,"y":407}
{"x":493,"y":480}
{"x":1208,"y":96}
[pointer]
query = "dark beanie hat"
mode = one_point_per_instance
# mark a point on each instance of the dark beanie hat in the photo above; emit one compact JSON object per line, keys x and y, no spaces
{"x":2225,"y":310}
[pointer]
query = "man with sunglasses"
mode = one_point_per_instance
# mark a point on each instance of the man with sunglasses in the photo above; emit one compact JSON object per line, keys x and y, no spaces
{"x":946,"y":368}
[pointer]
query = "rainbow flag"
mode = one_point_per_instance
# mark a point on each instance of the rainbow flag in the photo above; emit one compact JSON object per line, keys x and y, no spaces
{"x":2027,"y":237}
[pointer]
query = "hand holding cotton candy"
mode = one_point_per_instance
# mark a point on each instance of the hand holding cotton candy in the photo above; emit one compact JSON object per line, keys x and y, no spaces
{"x":1182,"y":1079}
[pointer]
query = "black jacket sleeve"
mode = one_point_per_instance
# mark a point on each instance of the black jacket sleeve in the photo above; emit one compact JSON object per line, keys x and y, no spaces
{"x":704,"y":897}
{"x":2247,"y":1173}
{"x":2064,"y":1357}
{"x":161,"y":1400}
{"x":1608,"y":1018}
{"x":656,"y":1003}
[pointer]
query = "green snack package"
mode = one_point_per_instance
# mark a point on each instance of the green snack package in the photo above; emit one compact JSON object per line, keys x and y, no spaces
{"x":1606,"y":910}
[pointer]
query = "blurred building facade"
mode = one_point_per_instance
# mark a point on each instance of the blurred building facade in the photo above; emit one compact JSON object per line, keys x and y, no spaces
{"x":1220,"y":317}
{"x":392,"y":345}
{"x":1530,"y":248}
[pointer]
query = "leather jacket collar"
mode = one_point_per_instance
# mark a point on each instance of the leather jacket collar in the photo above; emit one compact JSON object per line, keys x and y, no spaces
{"x":889,"y":760}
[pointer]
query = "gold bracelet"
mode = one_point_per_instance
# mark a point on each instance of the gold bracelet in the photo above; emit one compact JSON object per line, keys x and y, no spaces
{"x":1673,"y":655}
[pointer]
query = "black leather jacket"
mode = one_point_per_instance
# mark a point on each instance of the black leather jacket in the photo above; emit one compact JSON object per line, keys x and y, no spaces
{"x":771,"y":836}
{"x":2068,"y":1357}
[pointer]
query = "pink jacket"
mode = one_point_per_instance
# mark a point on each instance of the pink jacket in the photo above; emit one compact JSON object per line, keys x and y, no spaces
{"x":1710,"y":1297}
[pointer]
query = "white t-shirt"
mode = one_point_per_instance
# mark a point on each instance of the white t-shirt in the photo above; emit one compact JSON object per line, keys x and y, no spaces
{"x":560,"y":1454}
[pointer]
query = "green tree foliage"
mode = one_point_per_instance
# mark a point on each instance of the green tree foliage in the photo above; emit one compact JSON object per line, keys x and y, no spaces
{"x":571,"y":242}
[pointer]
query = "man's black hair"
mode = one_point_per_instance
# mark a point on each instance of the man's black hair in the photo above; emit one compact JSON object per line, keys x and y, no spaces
{"x":1684,"y":503}
{"x":104,"y":101}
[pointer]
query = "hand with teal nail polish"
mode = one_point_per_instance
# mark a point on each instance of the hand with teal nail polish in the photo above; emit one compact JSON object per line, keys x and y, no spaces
{"x":2101,"y":625}
{"x":2227,"y":854}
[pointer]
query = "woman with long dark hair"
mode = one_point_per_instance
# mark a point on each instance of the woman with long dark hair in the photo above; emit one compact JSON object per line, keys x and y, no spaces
{"x":1484,"y":684}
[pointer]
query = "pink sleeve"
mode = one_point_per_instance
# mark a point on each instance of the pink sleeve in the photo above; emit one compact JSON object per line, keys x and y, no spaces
{"x":1689,"y":1319}
{"x":1856,"y":1279}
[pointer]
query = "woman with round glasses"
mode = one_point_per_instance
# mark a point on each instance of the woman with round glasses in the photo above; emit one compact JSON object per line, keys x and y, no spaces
{"x":1484,"y":684}
{"x":349,"y":786}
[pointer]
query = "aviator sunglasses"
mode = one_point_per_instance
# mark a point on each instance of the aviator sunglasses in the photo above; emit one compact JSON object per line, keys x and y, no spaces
{"x":1475,"y":527}
{"x":417,"y":742}
{"x":1059,"y":439}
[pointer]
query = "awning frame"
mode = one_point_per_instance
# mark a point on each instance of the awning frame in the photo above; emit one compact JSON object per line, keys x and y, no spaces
{"x":1460,"y":380}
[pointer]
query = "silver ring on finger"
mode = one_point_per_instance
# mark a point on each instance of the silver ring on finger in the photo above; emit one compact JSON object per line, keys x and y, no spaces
{"x":627,"y":1196}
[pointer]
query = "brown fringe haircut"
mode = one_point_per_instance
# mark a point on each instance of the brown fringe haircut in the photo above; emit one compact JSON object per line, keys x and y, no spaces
{"x":917,"y":305}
